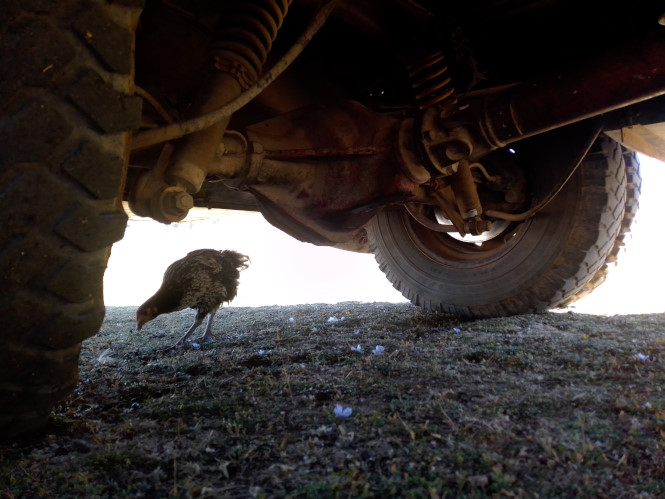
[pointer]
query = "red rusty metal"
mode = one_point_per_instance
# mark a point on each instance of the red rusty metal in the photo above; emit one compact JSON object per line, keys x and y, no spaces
{"x":326,"y":152}
{"x":326,"y":170}
{"x":618,"y":79}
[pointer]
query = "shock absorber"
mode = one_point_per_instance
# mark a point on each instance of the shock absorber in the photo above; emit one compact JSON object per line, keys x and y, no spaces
{"x":243,"y":39}
{"x":430,"y":80}
{"x":245,"y":35}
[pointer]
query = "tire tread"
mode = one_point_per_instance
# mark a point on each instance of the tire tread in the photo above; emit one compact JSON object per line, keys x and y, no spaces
{"x":59,"y":190}
{"x":607,"y":205}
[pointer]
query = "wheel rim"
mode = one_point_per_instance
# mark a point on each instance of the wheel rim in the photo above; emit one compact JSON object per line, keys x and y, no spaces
{"x":498,"y":227}
{"x":451,"y":250}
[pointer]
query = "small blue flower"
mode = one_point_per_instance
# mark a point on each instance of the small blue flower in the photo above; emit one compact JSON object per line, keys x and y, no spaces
{"x":457,"y":330}
{"x":342,"y":412}
{"x":262,"y":353}
{"x":357,"y":331}
{"x":291,"y":319}
{"x":641,"y":357}
{"x":358,"y":349}
{"x":196,"y":346}
{"x":378,"y":350}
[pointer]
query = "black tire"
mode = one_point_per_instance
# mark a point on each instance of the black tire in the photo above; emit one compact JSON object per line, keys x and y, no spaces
{"x":531,"y":267}
{"x":633,"y":190}
{"x":66,"y":107}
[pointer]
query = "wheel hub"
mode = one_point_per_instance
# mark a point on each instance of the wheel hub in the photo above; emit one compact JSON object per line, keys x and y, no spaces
{"x":497,"y":228}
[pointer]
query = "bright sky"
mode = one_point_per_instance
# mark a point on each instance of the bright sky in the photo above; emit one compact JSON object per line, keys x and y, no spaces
{"x":285,"y":271}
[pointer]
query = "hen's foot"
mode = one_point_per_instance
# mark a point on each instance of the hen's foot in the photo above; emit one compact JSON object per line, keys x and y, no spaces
{"x":177,"y":346}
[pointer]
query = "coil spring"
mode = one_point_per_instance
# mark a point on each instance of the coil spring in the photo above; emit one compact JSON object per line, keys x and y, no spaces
{"x":245,"y":35}
{"x":430,"y":81}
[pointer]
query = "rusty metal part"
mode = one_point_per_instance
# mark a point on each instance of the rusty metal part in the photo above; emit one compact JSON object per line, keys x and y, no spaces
{"x":324,"y":171}
{"x":410,"y":161}
{"x":452,"y":138}
{"x":459,"y":201}
{"x":416,"y":212}
{"x":191,"y":159}
{"x":236,"y":158}
{"x":244,"y":38}
{"x":318,"y":173}
{"x":464,"y":230}
{"x":443,"y":148}
{"x":222,"y":95}
{"x":478,"y":226}
{"x":177,"y":130}
{"x":466,"y":195}
{"x":445,"y":200}
{"x":485,"y":232}
{"x":495,"y":120}
{"x":152,"y":196}
{"x":526,"y":110}
{"x":586,"y":135}
{"x":430,"y":80}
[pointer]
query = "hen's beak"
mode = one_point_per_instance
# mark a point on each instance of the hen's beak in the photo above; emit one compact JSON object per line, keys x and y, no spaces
{"x":140,"y":320}
{"x":145,"y":315}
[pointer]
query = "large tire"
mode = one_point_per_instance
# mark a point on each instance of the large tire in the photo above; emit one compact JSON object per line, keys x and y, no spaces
{"x":533,"y":266}
{"x":633,"y":190}
{"x":66,"y":107}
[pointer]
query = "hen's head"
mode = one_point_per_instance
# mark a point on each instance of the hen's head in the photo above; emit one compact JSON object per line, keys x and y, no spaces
{"x":145,"y":314}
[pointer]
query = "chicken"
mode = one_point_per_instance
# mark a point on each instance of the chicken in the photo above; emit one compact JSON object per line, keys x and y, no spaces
{"x":202,"y":280}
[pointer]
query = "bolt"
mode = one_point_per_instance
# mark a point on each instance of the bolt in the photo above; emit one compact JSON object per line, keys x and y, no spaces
{"x":183,"y":201}
{"x":174,"y":204}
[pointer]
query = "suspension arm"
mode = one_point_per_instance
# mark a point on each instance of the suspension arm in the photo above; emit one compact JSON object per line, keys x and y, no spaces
{"x":239,"y":61}
{"x":495,"y":120}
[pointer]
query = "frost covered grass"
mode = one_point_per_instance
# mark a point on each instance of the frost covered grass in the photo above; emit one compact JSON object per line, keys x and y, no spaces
{"x":382,"y":400}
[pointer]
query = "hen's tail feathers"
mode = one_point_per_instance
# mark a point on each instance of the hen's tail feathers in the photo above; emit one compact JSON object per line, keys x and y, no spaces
{"x":238,"y":260}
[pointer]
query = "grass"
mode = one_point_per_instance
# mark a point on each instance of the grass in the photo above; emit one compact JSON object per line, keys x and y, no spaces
{"x":552,"y":405}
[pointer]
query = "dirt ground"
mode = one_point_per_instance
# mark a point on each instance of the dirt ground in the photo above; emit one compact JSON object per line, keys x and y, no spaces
{"x":552,"y":405}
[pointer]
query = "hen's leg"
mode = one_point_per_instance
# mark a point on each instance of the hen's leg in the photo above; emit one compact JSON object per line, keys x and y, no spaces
{"x":181,"y":341}
{"x":207,"y":336}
